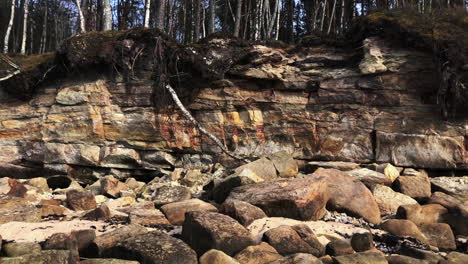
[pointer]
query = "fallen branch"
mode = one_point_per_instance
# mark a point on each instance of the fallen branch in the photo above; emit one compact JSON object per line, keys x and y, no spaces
{"x":198,"y":126}
{"x":10,"y":75}
{"x":12,"y":64}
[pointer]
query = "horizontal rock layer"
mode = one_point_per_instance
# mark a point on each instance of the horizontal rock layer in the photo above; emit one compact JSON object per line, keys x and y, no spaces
{"x":318,"y":103}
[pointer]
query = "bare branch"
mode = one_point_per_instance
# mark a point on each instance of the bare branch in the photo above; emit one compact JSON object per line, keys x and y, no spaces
{"x":198,"y":126}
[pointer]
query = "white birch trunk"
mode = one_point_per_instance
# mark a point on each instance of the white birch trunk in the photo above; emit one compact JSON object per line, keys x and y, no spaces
{"x":82,"y":27}
{"x":107,"y":16}
{"x":25,"y":27}
{"x":10,"y":25}
{"x":147,"y":13}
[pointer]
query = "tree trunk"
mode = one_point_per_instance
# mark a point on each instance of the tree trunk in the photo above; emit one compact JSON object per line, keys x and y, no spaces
{"x":42,"y":48}
{"x":238,"y":18}
{"x":324,"y":10}
{"x":25,"y":27}
{"x":272,"y":20}
{"x":197,"y":20}
{"x":161,"y":13}
{"x":278,"y":23}
{"x":290,"y":22}
{"x":81,"y":17}
{"x":107,"y":16}
{"x":10,"y":25}
{"x":211,"y":24}
{"x":332,"y":16}
{"x":147,"y":13}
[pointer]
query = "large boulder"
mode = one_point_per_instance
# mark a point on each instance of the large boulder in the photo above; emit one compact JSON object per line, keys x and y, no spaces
{"x":154,"y":247}
{"x":389,"y":200}
{"x":302,"y":199}
{"x":415,"y":186}
{"x":208,"y":230}
{"x":214,"y":256}
{"x":400,"y":227}
{"x":105,"y":243}
{"x":348,"y":194}
{"x":285,"y":165}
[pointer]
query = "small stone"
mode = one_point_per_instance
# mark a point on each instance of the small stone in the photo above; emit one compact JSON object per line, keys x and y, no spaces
{"x":361,"y":258}
{"x":284,"y":163}
{"x":370,"y":177}
{"x":80,"y":200}
{"x":258,"y":254}
{"x":100,"y":213}
{"x":339,"y":247}
{"x":214,"y":256}
{"x":169,"y":194}
{"x":389,"y":171}
{"x":175,"y":212}
{"x":243,"y":212}
{"x":417,"y":186}
{"x":108,"y":261}
{"x":112,"y":187}
{"x":389,"y":200}
{"x":362,"y":241}
{"x":299,"y":258}
{"x":148,"y":217}
{"x":294,"y":239}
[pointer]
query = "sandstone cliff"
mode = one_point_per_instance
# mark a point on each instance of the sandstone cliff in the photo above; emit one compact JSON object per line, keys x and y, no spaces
{"x":101,"y":111}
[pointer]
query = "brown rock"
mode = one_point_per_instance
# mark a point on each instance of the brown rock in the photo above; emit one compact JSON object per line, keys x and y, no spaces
{"x":417,"y":186}
{"x":154,"y":247}
{"x":258,"y":254}
{"x":339,"y":247}
{"x":398,"y":259}
{"x":169,"y":194}
{"x":175,"y":212}
{"x":19,"y":249}
{"x":404,"y":228}
{"x":17,"y":189}
{"x":429,"y":213}
{"x":299,"y":258}
{"x":18,"y":209}
{"x":297,"y":239}
{"x":44,"y":256}
{"x":362,"y":242}
{"x":214,"y":256}
{"x":349,"y":195}
{"x":108,"y":261}
{"x":370,"y":177}
{"x":112,"y":187}
{"x":84,"y":239}
{"x":100,"y":213}
{"x":243,"y":212}
{"x":207,"y":230}
{"x":148,"y":217}
{"x":262,"y":168}
{"x":302,"y":199}
{"x":47,"y":210}
{"x":39,"y":183}
{"x":61,"y":241}
{"x":361,"y":258}
{"x":285,"y":165}
{"x":80,"y":200}
{"x":389,"y":200}
{"x":455,"y":258}
{"x":105,"y":242}
{"x":426,"y":255}
{"x":439,"y":235}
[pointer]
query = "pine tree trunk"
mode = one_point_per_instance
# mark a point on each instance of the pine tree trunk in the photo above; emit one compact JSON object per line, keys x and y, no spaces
{"x":80,"y":15}
{"x":25,"y":27}
{"x":278,"y":23}
{"x":211,"y":24}
{"x":42,"y":48}
{"x":10,"y":25}
{"x":331,"y":17}
{"x":272,"y":21}
{"x":238,"y":18}
{"x":107,"y":16}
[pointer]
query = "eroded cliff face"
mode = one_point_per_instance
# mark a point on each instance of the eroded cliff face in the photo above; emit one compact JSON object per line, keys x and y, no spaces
{"x":372,"y":104}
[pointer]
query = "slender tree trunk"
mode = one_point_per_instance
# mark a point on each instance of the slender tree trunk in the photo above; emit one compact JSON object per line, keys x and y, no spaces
{"x":25,"y":27}
{"x":324,"y":11}
{"x":290,"y":22}
{"x":44,"y":31}
{"x":238,"y":18}
{"x":203,"y":20}
{"x":272,"y":21}
{"x":161,"y":14}
{"x":147,"y":13}
{"x":107,"y":16}
{"x":211,"y":24}
{"x":10,"y":25}
{"x":80,"y":16}
{"x":278,"y":23}
{"x":332,"y":16}
{"x":197,"y":20}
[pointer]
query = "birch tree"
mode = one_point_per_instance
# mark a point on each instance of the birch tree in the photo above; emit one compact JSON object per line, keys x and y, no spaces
{"x":25,"y":26}
{"x":147,"y":13}
{"x":82,"y":27}
{"x":10,"y":25}
{"x":107,"y":15}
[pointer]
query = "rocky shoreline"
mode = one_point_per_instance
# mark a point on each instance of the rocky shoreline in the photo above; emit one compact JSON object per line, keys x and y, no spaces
{"x":266,"y":211}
